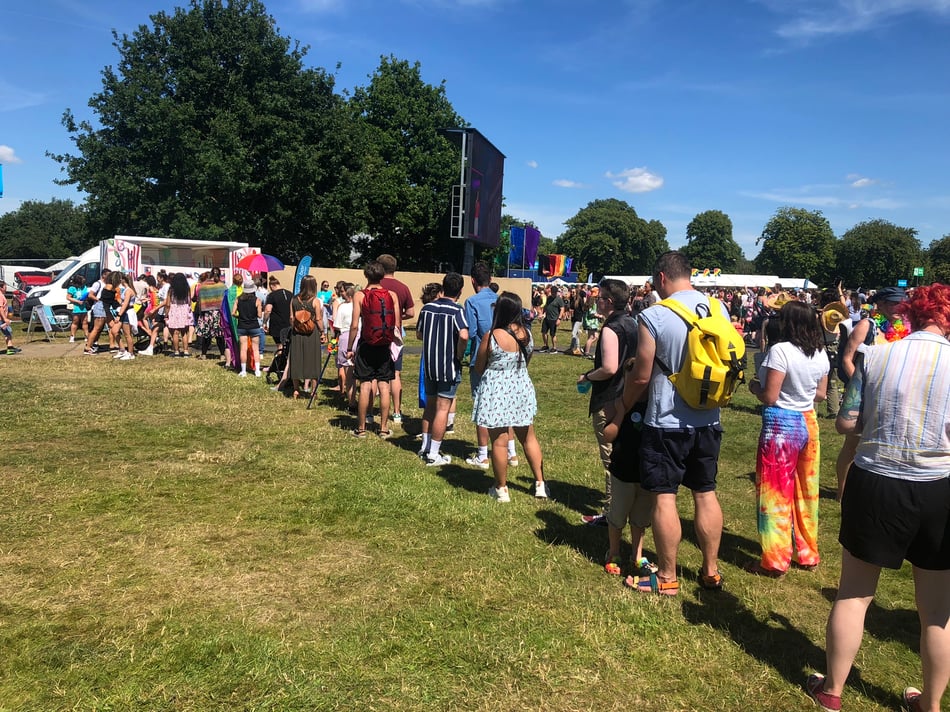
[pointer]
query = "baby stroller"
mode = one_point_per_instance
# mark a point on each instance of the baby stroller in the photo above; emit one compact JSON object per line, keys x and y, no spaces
{"x":279,"y":362}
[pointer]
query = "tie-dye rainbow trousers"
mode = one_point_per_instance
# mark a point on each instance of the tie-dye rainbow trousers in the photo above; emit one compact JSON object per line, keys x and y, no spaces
{"x":786,"y":484}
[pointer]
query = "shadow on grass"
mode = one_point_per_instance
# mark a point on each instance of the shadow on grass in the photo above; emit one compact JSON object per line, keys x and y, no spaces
{"x":734,"y":549}
{"x":471,"y":479}
{"x":775,"y":641}
{"x":590,"y":542}
{"x":899,"y":625}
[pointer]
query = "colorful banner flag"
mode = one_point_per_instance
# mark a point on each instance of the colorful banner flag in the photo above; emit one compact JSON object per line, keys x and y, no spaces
{"x":517,"y":254}
{"x":568,"y":264}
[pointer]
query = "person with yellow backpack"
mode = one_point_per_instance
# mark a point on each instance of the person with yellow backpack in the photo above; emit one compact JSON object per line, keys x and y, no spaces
{"x":689,"y":363}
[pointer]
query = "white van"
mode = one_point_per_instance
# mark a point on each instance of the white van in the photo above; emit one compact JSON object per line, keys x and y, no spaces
{"x":138,"y":255}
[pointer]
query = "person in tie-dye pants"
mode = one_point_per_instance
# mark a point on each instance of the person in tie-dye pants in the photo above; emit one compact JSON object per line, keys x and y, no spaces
{"x":792,"y":377}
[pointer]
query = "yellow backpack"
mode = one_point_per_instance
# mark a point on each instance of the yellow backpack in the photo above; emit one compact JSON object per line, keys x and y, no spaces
{"x":715,"y":357}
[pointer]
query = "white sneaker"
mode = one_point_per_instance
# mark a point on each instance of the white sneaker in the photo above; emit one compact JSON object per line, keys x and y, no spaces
{"x":243,"y":374}
{"x":147,"y":352}
{"x":499,"y":493}
{"x":438,"y":460}
{"x":257,"y":373}
{"x":119,"y":354}
{"x":476,"y":462}
{"x":540,"y":490}
{"x":72,"y":339}
{"x":513,"y":461}
{"x":126,"y":357}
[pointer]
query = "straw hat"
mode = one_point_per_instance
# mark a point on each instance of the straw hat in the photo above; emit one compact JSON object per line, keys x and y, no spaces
{"x":777,"y":301}
{"x":832,"y":315}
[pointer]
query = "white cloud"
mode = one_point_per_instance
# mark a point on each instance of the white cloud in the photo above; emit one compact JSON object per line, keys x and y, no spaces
{"x":799,"y":197}
{"x":532,"y":164}
{"x":8,"y":155}
{"x":818,"y":18}
{"x":564,"y":183}
{"x":859,"y":181}
{"x":636,"y":180}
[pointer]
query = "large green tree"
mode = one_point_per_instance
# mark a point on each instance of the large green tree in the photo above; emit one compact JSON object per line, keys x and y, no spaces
{"x":38,"y":230}
{"x":797,"y":243}
{"x":877,"y":253}
{"x":939,"y":261}
{"x":209,"y":127}
{"x":709,"y":242}
{"x":608,"y":237}
{"x":408,"y":166}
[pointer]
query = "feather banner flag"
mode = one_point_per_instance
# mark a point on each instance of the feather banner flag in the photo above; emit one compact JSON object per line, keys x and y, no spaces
{"x":568,"y":263}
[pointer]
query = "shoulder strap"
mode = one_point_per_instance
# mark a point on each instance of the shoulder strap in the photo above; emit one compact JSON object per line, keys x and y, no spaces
{"x":681,"y":311}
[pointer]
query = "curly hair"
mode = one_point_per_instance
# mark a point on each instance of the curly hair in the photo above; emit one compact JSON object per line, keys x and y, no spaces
{"x":800,"y":327}
{"x":928,"y":305}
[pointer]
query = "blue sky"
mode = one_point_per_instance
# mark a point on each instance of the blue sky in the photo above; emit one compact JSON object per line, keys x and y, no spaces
{"x":678,"y":107}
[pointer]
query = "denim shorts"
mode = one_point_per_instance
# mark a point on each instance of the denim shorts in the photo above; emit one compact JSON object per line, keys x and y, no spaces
{"x":442,"y":389}
{"x":253,"y":333}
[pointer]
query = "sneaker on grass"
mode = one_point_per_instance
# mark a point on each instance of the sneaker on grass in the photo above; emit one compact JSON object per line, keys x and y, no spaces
{"x":540,"y":490}
{"x":397,"y":417}
{"x":910,"y":700}
{"x":815,"y":688}
{"x":594,"y":520}
{"x":499,"y":494}
{"x":438,"y":460}
{"x":475,"y":461}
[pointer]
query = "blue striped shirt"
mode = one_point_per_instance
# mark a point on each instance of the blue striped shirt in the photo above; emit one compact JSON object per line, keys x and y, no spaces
{"x":440,"y":324}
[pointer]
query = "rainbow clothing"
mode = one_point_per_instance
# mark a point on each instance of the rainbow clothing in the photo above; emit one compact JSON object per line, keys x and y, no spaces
{"x":786,"y":482}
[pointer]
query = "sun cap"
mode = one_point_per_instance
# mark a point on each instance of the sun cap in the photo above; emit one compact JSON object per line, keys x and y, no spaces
{"x":889,"y":294}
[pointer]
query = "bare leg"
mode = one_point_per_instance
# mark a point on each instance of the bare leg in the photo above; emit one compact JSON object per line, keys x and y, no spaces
{"x":366,"y":393}
{"x":708,"y":529}
{"x":499,"y":455}
{"x":532,"y":451}
{"x":667,"y":532}
{"x":256,"y":354}
{"x":846,"y":622}
{"x":396,"y":388}
{"x":385,"y":389}
{"x":932,"y":590}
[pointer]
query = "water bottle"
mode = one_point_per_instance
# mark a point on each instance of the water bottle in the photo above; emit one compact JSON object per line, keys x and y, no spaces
{"x":584,"y":386}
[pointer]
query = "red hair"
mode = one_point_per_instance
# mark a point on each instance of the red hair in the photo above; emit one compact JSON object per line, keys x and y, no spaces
{"x":928,"y":305}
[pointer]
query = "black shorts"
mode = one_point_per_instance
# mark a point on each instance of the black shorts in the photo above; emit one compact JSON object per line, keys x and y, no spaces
{"x":549,"y":326}
{"x":680,"y":456}
{"x":885,"y":520}
{"x":373,"y":363}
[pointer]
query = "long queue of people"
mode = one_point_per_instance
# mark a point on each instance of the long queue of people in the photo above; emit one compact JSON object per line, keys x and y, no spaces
{"x":893,"y":470}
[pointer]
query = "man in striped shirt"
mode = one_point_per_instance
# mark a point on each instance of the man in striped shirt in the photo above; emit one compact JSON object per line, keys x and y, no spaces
{"x":444,"y":332}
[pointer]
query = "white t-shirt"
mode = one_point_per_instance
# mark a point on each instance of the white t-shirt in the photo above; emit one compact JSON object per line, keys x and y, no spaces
{"x":802,"y":374}
{"x":344,"y":316}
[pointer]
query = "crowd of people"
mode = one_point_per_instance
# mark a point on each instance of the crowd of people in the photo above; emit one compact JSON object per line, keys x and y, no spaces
{"x":888,"y":348}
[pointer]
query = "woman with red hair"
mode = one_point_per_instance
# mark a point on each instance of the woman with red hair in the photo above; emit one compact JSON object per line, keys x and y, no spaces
{"x":896,"y":505}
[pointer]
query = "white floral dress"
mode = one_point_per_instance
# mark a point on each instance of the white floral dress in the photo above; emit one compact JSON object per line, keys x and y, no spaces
{"x":505,"y":394}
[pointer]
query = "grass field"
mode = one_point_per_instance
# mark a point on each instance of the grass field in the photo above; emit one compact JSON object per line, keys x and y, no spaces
{"x":175,"y":538}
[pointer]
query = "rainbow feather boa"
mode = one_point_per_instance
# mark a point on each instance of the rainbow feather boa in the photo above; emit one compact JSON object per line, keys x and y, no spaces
{"x":892,"y":330}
